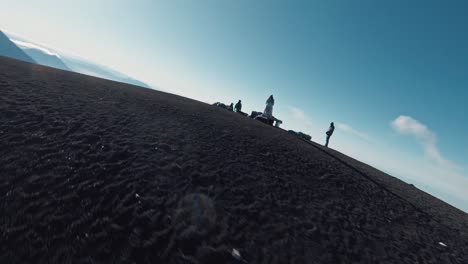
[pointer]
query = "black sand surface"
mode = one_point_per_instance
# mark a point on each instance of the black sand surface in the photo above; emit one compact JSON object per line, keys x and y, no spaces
{"x":95,"y":171}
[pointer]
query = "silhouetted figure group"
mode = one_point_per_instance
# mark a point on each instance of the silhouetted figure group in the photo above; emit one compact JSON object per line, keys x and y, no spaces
{"x":237,"y":108}
{"x":329,"y":133}
{"x":268,"y":118}
{"x":265,"y":117}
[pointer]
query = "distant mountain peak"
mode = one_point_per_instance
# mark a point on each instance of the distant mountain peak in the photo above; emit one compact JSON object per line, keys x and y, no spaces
{"x":28,"y":45}
{"x":9,"y":49}
{"x":61,"y":60}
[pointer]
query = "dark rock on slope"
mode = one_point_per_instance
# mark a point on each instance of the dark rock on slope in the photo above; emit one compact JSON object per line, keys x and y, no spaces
{"x":9,"y":49}
{"x":95,"y":171}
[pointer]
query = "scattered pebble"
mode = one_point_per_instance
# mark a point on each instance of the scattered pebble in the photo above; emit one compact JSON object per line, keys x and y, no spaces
{"x":137,"y":195}
{"x":235,"y":253}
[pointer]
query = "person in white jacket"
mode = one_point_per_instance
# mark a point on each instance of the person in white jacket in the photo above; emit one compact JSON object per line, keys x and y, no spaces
{"x":268,"y":112}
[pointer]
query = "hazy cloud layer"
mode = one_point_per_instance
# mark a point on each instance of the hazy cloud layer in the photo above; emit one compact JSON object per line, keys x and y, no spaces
{"x":300,"y":116}
{"x":350,"y":130}
{"x":434,"y":174}
{"x":442,"y":176}
{"x":29,"y":45}
{"x":407,"y":125}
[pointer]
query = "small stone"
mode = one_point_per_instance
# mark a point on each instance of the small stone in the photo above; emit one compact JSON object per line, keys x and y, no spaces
{"x":235,"y":254}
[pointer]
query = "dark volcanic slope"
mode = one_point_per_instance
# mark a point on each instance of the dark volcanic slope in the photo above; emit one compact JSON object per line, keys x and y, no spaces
{"x":94,"y":171}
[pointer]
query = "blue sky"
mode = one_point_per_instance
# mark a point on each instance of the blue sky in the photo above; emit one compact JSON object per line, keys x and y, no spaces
{"x":391,"y":74}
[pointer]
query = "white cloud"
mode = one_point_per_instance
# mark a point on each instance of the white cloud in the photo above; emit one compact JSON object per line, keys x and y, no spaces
{"x":410,"y":126}
{"x":407,"y":125}
{"x":28,"y":45}
{"x":350,"y":130}
{"x":300,"y":116}
{"x":297,"y":113}
{"x":443,"y":177}
{"x":445,"y":182}
{"x":298,"y":120}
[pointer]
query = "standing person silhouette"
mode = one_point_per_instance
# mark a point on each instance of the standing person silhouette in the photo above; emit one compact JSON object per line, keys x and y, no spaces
{"x":238,"y":106}
{"x":329,"y":133}
{"x":268,"y":112}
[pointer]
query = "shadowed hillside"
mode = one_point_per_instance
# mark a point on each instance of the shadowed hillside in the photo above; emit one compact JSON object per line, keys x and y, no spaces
{"x":96,"y":171}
